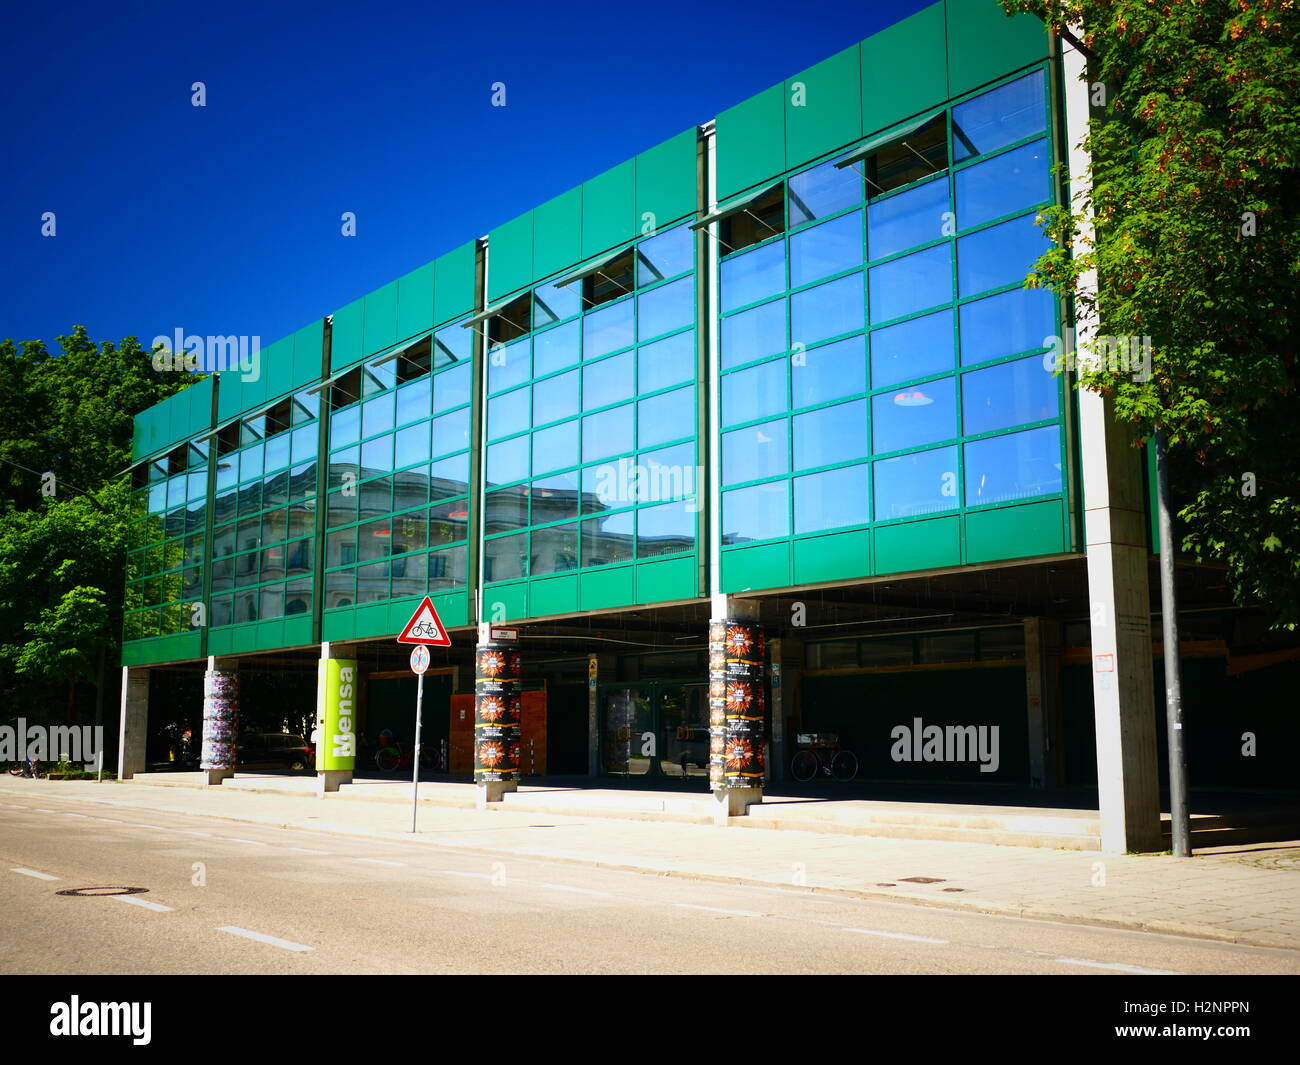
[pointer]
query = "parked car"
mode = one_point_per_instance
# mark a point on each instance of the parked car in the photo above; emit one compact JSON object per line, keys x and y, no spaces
{"x":275,"y":750}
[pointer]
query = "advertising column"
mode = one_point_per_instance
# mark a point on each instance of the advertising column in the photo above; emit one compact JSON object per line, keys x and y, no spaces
{"x":497,"y":705}
{"x":220,"y":723}
{"x":336,"y":750}
{"x":737,"y":710}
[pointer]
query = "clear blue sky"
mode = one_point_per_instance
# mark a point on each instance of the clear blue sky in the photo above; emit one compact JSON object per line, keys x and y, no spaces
{"x":225,"y":219}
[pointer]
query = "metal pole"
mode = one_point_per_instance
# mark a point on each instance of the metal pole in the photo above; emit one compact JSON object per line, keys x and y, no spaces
{"x":415,"y":773}
{"x":1180,"y":829}
{"x":100,"y":778}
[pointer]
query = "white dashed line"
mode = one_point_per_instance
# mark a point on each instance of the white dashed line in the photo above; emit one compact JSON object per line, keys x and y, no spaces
{"x":1118,"y":967}
{"x":894,"y":935}
{"x":195,"y":832}
{"x":144,"y":903}
{"x":110,"y":820}
{"x":34,"y":873}
{"x":261,"y":937}
{"x":378,"y":861}
{"x":42,"y":810}
{"x":236,"y":839}
{"x":457,"y":872}
{"x":16,"y":806}
{"x":69,"y":813}
{"x":716,"y":909}
{"x":307,"y":850}
{"x":136,"y":824}
{"x":576,"y":890}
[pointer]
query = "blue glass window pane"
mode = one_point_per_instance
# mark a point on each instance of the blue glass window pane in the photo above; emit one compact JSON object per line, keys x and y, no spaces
{"x":608,"y":539}
{"x":414,"y":400}
{"x":505,"y":509}
{"x":665,"y":530}
{"x":912,"y":283}
{"x":663,"y":309}
{"x":822,"y":191}
{"x":555,"y":349}
{"x":609,"y":485}
{"x":451,"y":388}
{"x":554,"y":303}
{"x":1023,"y":319}
{"x":754,"y":333}
{"x":452,"y":344}
{"x":506,"y":558}
{"x":450,"y":477}
{"x":666,"y":362}
{"x":507,"y":461}
{"x":666,"y":417}
{"x":826,"y":249}
{"x":911,"y":349}
{"x":377,"y":415}
{"x":832,"y":371}
{"x":377,"y":456}
{"x":1006,"y":114}
{"x":1009,"y":182}
{"x":1000,"y":255}
{"x":451,"y":432}
{"x":670,"y":473}
{"x":556,"y":447}
{"x":920,"y":414}
{"x":664,"y":256}
{"x":1011,"y":393}
{"x":831,"y":499}
{"x":760,"y":512}
{"x":555,"y":398}
{"x":1003,"y":468}
{"x":923,"y":482}
{"x":831,"y":434}
{"x":908,"y":219}
{"x":554,"y":550}
{"x":412,"y":445}
{"x":277,"y":453}
{"x":755,"y":452}
{"x":508,"y":365}
{"x":753,"y":275}
{"x":250,"y":464}
{"x":607,"y":329}
{"x":508,"y":413}
{"x":607,"y":433}
{"x":345,"y":426}
{"x":827,"y":310}
{"x":556,"y":497}
{"x":608,"y":381}
{"x":753,"y":393}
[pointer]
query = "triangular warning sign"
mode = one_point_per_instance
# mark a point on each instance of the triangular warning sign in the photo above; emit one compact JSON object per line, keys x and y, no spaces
{"x":425,"y":627}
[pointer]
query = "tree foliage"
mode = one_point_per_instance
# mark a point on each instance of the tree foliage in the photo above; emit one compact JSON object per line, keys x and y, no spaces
{"x":1194,"y":143}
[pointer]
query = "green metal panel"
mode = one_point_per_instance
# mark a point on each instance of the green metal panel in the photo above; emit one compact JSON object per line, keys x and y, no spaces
{"x":904,"y":70}
{"x":834,"y":557}
{"x":452,"y":608}
{"x":1015,"y":532}
{"x":505,"y":601}
{"x":381,"y":319}
{"x":415,"y":302}
{"x":557,"y":233}
{"x":554,"y":595}
{"x":308,"y":353}
{"x":606,"y":587}
{"x":510,"y":256}
{"x":751,"y":141}
{"x":178,"y":417}
{"x":931,"y":544}
{"x":453,"y":283}
{"x":609,"y":209}
{"x":983,"y":44}
{"x":665,"y":181}
{"x":277,"y":368}
{"x":663,"y":581}
{"x":346,"y":338}
{"x":180,"y":647}
{"x":823,"y":107}
{"x":766,"y":566}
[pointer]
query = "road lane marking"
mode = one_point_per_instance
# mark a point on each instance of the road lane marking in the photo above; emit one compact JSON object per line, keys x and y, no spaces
{"x":195,"y":832}
{"x":34,"y":873}
{"x":457,"y":872}
{"x":236,"y":839}
{"x":1118,"y":967}
{"x":69,"y":813}
{"x":136,"y":824}
{"x":378,"y":861}
{"x":576,"y":890}
{"x":42,"y":810}
{"x":307,"y":850}
{"x":17,"y":806}
{"x":262,"y":937}
{"x":157,"y":907}
{"x":110,"y":820}
{"x":717,"y":909}
{"x":895,"y":935}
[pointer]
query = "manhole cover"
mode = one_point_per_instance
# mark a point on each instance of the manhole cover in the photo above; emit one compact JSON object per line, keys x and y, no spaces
{"x":921,"y":879}
{"x":92,"y":892}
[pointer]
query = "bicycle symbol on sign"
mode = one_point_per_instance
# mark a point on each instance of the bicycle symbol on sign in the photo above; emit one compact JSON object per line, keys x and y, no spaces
{"x":425,"y":628}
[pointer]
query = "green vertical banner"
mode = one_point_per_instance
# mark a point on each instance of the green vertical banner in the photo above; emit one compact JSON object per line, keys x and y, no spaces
{"x":338,"y":734}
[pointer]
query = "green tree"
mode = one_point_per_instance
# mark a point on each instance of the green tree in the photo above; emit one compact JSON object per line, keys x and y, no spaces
{"x":1194,"y":144}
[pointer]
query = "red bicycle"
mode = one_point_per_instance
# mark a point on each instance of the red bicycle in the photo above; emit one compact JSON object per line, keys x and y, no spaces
{"x":395,"y":756}
{"x":821,"y":753}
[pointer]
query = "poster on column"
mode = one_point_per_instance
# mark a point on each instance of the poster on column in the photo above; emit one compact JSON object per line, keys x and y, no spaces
{"x":338,"y":737}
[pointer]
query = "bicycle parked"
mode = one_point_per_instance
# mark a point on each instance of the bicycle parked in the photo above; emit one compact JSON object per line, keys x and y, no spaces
{"x":31,"y":769}
{"x":821,"y":753}
{"x":394,"y":756}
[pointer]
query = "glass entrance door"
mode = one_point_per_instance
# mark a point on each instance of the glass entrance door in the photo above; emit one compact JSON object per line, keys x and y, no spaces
{"x":655,"y":729}
{"x":683,"y":731}
{"x":628,"y":731}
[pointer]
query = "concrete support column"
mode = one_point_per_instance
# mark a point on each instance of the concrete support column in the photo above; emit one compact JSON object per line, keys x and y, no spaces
{"x":1043,"y":700}
{"x":338,"y":684}
{"x":787,"y":660}
{"x":497,"y":707}
{"x":737,"y":706}
{"x":133,"y":726}
{"x":1116,"y":540}
{"x":220,"y":720}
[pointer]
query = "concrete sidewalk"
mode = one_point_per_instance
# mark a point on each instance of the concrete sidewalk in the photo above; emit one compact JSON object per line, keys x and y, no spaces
{"x":1244,"y":895}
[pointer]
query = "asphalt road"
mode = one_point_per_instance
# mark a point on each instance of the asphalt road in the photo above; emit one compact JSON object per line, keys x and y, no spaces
{"x":229,"y":897}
